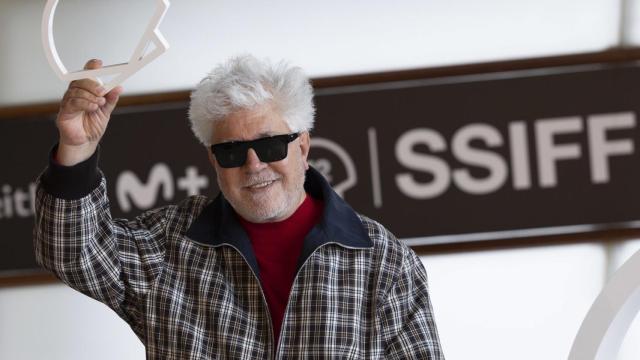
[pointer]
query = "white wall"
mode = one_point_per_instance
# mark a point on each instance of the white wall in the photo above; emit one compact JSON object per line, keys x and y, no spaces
{"x":325,"y":37}
{"x":631,"y":20}
{"x":516,"y":304}
{"x":495,"y":304}
{"x":55,"y":322}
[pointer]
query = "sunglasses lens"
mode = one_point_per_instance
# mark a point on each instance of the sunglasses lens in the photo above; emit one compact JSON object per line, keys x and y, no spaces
{"x":270,"y":149}
{"x":230,"y":155}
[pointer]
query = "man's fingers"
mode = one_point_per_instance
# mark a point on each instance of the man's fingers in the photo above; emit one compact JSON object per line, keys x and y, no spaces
{"x":75,"y":92}
{"x":94,"y":127}
{"x":87,"y":84}
{"x":90,"y":91}
{"x":73,"y":105}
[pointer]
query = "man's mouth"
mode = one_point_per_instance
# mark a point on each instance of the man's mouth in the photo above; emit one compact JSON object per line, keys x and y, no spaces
{"x":260,"y":185}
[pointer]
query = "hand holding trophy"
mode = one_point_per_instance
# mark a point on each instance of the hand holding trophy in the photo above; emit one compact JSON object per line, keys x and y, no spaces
{"x":87,"y":104}
{"x":83,"y":117}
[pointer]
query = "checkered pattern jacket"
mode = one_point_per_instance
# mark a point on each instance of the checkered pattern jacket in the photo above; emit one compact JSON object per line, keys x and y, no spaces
{"x":185,"y":278}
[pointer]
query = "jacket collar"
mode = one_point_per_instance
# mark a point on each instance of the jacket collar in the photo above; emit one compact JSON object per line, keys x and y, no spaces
{"x":217,"y":224}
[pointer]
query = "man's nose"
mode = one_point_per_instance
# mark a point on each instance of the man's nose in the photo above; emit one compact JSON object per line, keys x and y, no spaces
{"x":253,"y":162}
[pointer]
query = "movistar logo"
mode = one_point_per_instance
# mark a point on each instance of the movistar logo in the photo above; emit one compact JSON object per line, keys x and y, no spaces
{"x":144,"y":195}
{"x":132,"y":193}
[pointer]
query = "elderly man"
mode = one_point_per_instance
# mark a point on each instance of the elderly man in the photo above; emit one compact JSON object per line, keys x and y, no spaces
{"x":277,"y":266}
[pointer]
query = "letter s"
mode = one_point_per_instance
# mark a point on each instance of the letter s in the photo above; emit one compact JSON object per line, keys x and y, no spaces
{"x":493,"y":162}
{"x":427,"y":163}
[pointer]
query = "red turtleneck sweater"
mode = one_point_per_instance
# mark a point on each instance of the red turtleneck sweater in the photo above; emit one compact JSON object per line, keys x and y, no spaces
{"x":277,"y":247}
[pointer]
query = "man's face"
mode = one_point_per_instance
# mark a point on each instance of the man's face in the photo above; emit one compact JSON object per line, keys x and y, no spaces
{"x":262,"y":192}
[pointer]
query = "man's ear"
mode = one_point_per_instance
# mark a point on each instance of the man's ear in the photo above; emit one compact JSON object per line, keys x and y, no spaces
{"x":305,"y":145}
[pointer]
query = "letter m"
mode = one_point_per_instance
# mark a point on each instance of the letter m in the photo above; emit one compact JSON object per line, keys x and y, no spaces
{"x":130,"y":189}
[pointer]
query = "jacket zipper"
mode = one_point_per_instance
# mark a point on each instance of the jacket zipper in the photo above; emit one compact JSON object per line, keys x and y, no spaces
{"x":264,"y":300}
{"x":286,"y":310}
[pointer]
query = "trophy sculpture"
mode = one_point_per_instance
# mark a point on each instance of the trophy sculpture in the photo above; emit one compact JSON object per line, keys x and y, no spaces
{"x":138,"y":60}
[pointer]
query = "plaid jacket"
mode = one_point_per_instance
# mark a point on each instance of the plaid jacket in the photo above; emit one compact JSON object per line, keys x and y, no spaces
{"x":185,"y":278}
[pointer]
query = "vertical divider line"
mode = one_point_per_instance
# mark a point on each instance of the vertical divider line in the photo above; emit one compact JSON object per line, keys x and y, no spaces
{"x":375,"y":167}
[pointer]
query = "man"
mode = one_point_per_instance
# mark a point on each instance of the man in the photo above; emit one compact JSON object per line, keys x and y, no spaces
{"x":276,"y":266}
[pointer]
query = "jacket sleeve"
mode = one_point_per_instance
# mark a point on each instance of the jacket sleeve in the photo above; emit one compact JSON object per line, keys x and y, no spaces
{"x":408,"y":325}
{"x":113,"y":261}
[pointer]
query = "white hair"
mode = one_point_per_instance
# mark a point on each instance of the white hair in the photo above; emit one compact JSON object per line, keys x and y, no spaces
{"x":244,"y":82}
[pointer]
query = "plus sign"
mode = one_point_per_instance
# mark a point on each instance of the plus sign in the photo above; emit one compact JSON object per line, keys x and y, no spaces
{"x":192,"y":183}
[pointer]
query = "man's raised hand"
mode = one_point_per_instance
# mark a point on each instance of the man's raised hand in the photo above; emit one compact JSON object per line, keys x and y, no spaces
{"x":83,"y":117}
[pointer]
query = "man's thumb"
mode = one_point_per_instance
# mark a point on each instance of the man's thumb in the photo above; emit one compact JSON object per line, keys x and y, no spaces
{"x":93,"y":64}
{"x":112,"y":98}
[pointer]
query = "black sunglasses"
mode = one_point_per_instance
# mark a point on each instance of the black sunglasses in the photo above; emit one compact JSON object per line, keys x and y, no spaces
{"x":234,"y":153}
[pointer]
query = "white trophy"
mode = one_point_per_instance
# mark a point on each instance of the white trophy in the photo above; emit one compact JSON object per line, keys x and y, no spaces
{"x":138,"y":60}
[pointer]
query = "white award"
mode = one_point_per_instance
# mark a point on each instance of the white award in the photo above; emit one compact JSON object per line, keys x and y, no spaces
{"x":121,"y":72}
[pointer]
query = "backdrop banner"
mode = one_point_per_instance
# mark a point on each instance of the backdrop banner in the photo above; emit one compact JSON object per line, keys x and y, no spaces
{"x":436,"y":160}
